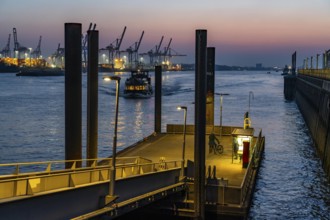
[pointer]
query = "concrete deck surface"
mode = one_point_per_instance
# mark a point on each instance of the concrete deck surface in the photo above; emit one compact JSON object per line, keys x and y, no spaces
{"x":170,"y":147}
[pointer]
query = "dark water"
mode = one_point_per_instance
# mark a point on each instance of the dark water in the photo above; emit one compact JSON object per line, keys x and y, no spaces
{"x":291,"y":182}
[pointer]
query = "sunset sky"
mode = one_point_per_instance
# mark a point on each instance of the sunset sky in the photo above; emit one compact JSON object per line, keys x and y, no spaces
{"x":244,"y":32}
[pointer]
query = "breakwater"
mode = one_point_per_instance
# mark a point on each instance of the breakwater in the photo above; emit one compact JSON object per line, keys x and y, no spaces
{"x":311,"y":91}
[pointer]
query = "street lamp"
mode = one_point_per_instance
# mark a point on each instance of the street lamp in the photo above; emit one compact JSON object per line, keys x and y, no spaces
{"x":221,"y":101}
{"x":112,"y":174}
{"x":250,"y":94}
{"x":184,"y":108}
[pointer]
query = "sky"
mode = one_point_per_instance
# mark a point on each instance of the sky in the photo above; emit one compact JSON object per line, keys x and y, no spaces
{"x":244,"y":32}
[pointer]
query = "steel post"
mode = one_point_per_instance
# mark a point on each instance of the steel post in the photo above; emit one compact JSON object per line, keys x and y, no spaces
{"x":210,"y":86}
{"x":200,"y":123}
{"x":73,"y":100}
{"x":92,"y":95}
{"x":158,"y":99}
{"x":294,"y":61}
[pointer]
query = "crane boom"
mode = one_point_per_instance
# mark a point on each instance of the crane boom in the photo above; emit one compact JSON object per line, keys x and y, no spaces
{"x":6,"y":50}
{"x":139,"y":43}
{"x":121,"y":39}
{"x":37,"y":51}
{"x":160,"y":44}
{"x":16,"y":44}
{"x":167,"y":48}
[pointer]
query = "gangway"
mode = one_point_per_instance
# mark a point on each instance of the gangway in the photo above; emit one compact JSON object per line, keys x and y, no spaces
{"x":42,"y":190}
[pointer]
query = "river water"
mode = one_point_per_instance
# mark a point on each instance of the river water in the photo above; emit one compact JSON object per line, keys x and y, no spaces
{"x":291,"y":183}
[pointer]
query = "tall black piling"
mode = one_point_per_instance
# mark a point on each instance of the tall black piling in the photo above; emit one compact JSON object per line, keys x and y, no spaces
{"x":210,"y":86}
{"x":200,"y":123}
{"x":158,"y":99}
{"x":92,"y":95}
{"x":290,"y":80}
{"x":294,"y":63}
{"x":73,"y":100}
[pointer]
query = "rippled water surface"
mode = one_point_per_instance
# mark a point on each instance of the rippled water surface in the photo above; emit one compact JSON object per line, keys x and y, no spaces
{"x":291,"y":182}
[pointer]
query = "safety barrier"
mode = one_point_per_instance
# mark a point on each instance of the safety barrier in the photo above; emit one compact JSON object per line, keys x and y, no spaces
{"x":319,"y":73}
{"x":219,"y":191}
{"x":250,"y":172}
{"x":54,"y":178}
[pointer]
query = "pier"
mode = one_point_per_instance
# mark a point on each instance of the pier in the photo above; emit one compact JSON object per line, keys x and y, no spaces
{"x":310,"y":88}
{"x":146,"y":172}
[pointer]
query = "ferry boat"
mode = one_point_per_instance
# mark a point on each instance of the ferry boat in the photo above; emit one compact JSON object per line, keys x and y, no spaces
{"x":138,"y":85}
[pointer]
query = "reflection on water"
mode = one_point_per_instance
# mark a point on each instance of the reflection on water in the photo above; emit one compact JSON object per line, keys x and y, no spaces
{"x":291,"y":182}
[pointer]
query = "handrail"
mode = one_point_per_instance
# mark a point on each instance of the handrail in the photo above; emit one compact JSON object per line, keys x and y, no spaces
{"x":59,"y":165}
{"x":320,"y":73}
{"x":246,"y":183}
{"x":22,"y":185}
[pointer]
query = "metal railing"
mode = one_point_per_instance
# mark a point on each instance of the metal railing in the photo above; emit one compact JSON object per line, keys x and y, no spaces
{"x":254,"y":161}
{"x":218,"y":191}
{"x":319,"y":73}
{"x":51,"y":175}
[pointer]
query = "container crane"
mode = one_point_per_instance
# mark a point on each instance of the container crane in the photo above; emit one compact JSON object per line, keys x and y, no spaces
{"x":119,"y":44}
{"x":37,"y":52}
{"x":84,"y":39}
{"x":58,"y":57}
{"x":157,"y":53}
{"x":154,"y":53}
{"x":173,"y":53}
{"x":114,"y":50}
{"x":133,"y":52}
{"x":5,"y":52}
{"x":166,"y":49}
{"x":18,"y":49}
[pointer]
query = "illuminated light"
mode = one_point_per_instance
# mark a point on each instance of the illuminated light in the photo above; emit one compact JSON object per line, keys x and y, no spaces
{"x":110,"y":78}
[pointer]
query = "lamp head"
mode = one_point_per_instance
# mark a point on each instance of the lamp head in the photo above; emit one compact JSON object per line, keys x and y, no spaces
{"x":111,"y":78}
{"x":182,"y":107}
{"x":221,"y":94}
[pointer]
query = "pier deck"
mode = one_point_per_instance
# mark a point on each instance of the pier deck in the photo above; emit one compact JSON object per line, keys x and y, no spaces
{"x":169,"y":147}
{"x":151,"y":167}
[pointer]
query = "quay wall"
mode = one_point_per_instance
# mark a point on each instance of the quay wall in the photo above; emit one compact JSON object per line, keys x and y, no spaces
{"x":312,"y":95}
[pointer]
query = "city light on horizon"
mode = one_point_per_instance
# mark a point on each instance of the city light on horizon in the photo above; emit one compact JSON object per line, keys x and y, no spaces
{"x":243,"y":32}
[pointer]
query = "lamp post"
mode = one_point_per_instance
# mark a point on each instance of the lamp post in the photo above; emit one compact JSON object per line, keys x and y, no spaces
{"x":221,"y":101}
{"x":112,"y":174}
{"x":30,"y":49}
{"x":184,"y":108}
{"x":250,"y":94}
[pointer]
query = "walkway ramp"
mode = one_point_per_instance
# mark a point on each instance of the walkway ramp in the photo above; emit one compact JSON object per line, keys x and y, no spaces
{"x":80,"y":192}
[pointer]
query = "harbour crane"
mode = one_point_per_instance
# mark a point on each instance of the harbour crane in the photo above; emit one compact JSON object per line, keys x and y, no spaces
{"x":166,"y":50}
{"x":58,"y":57}
{"x":173,"y":53}
{"x":18,"y":49}
{"x":37,"y":52}
{"x":133,"y":52}
{"x":154,"y":53}
{"x":5,"y":52}
{"x":114,"y":50}
{"x":84,"y":39}
{"x":157,"y":53}
{"x":119,"y":44}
